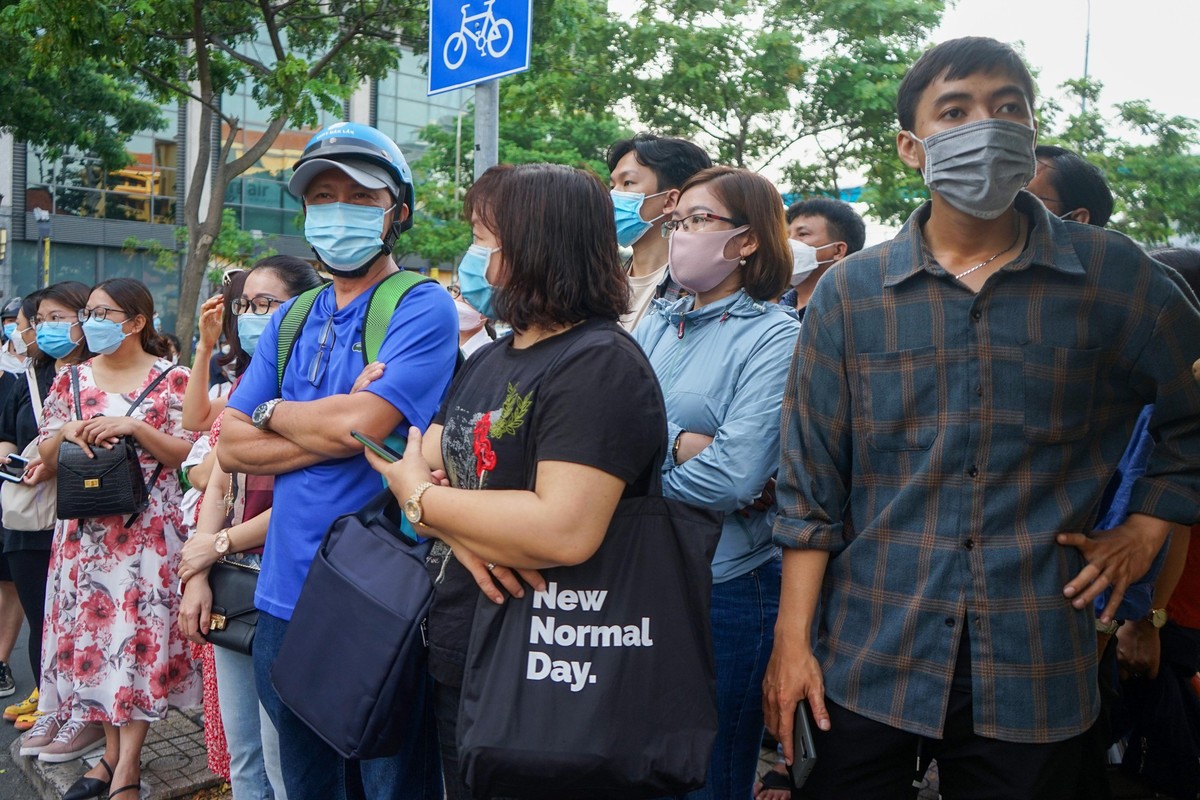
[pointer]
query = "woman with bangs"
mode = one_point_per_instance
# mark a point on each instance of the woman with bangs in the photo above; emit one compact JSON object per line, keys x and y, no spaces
{"x":536,"y":447}
{"x":722,"y":356}
{"x":117,"y":657}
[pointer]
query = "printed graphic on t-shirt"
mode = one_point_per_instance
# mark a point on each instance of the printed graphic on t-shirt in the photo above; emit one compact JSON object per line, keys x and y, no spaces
{"x":470,"y":455}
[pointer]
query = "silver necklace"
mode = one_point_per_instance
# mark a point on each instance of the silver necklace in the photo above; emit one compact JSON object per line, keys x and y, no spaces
{"x":983,"y":264}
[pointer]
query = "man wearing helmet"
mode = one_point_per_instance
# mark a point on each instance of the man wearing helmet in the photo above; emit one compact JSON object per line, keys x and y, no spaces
{"x":357,"y":194}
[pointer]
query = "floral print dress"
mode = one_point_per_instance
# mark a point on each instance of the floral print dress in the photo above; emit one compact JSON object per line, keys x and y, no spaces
{"x":112,"y":650}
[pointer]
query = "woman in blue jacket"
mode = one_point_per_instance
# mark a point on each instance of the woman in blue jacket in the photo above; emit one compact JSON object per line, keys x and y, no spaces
{"x":722,"y":357}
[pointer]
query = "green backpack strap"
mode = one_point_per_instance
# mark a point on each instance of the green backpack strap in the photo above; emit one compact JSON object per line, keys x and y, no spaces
{"x":290,"y":325}
{"x":385,"y":299}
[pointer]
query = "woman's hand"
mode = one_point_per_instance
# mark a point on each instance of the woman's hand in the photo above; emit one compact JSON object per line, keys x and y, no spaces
{"x":106,"y":431}
{"x":198,"y":555}
{"x":371,"y":372}
{"x":35,"y":473}
{"x":405,"y":475}
{"x":490,"y":577}
{"x":195,"y":609}
{"x":72,"y":432}
{"x":212,"y":314}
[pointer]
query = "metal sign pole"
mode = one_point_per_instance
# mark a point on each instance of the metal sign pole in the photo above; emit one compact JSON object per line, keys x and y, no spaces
{"x":487,"y":126}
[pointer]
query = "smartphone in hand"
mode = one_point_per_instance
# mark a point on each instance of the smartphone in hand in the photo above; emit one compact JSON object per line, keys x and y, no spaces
{"x":377,"y":447}
{"x":804,"y":751}
{"x":12,"y":468}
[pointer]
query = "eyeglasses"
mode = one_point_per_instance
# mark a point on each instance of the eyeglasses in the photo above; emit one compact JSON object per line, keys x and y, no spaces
{"x":262,"y":304}
{"x":317,"y":371}
{"x":695,"y":223}
{"x":99,"y":312}
{"x":455,"y":292}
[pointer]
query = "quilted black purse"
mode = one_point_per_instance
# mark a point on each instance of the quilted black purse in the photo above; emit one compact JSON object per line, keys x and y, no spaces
{"x":234,"y":617}
{"x":109,"y":483}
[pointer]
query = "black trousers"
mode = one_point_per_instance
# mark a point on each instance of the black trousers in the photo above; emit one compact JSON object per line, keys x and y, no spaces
{"x":30,"y":569}
{"x":860,"y":759}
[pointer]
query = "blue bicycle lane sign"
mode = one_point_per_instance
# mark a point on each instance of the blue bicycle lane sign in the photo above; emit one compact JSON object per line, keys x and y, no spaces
{"x":473,"y":41}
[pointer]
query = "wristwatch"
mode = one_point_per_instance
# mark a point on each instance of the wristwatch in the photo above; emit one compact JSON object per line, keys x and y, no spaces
{"x":1157,"y":617}
{"x":262,"y":414}
{"x":221,"y":543}
{"x":412,"y":506}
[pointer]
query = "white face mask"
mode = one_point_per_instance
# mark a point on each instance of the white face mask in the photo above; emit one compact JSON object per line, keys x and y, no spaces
{"x":804,"y":259}
{"x":10,"y":362}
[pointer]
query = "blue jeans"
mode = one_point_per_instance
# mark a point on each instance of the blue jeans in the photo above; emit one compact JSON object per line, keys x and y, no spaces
{"x":312,"y":770}
{"x":743,"y":626}
{"x":254,"y":772}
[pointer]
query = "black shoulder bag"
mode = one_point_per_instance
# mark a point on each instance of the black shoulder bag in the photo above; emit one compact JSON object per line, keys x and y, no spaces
{"x":110,"y":482}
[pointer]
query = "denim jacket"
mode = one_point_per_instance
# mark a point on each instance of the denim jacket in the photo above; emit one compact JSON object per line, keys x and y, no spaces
{"x":723,"y":368}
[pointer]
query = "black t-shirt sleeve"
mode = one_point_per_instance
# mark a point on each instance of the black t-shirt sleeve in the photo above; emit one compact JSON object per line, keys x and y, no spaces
{"x":602,"y":408}
{"x":8,"y":416}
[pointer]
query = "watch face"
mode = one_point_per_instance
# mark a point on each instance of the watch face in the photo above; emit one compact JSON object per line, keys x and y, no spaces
{"x":221,"y":545}
{"x":413,"y":511}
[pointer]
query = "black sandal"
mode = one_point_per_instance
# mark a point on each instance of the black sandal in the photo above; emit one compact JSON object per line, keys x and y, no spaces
{"x":86,"y":788}
{"x":774,"y":780}
{"x":135,"y":786}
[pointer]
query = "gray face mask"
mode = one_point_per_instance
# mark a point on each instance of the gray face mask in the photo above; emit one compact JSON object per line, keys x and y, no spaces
{"x":979,"y":167}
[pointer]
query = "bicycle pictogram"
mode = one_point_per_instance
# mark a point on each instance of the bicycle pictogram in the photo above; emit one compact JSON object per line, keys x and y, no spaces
{"x":491,"y":35}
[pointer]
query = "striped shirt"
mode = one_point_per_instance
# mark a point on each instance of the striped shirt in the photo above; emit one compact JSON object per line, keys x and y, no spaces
{"x":934,"y":441}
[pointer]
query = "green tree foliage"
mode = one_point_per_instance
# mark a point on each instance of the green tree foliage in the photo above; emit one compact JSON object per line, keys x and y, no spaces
{"x":756,"y":77}
{"x":295,"y":57}
{"x":1153,"y":169}
{"x":561,"y":111}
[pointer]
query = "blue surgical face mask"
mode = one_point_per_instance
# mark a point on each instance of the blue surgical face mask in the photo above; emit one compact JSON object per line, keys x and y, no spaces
{"x":345,"y":236}
{"x":250,"y":328}
{"x":627,"y":210}
{"x":9,"y":329}
{"x":54,"y":338}
{"x":472,"y":279}
{"x":103,"y":335}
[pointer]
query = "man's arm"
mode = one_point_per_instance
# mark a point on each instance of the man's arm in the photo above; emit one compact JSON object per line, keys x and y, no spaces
{"x":244,"y":448}
{"x":323,"y":426}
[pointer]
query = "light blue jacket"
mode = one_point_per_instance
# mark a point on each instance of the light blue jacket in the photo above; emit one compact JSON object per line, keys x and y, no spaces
{"x":723,"y":370}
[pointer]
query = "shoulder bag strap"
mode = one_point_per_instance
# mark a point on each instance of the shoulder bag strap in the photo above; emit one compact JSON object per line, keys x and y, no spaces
{"x":35,"y":395}
{"x":74,"y":372}
{"x":132,"y":407}
{"x":289,"y":328}
{"x":385,"y":299}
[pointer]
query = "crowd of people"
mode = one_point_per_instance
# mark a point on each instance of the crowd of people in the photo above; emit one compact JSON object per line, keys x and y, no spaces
{"x":955,"y":471}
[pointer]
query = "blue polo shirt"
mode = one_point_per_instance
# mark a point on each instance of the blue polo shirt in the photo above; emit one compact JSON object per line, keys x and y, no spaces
{"x":419,"y":352}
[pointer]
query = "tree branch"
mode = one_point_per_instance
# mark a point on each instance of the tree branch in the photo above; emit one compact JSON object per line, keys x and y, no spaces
{"x":254,"y":64}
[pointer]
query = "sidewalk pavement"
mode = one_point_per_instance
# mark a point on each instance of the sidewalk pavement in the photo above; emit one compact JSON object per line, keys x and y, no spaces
{"x":174,"y":765}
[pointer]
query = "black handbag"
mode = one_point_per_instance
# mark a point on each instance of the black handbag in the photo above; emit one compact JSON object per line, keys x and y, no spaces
{"x":352,"y":664}
{"x":110,"y":482}
{"x":234,"y":617}
{"x":603,"y":685}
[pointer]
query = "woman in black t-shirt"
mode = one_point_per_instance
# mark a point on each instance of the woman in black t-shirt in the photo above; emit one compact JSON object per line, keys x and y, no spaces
{"x":558,"y":421}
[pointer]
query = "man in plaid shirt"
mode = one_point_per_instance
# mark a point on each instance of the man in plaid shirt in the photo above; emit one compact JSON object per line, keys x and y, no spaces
{"x":958,"y":400}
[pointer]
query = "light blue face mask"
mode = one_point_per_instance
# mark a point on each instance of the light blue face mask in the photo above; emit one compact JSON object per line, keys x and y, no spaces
{"x":54,"y":338}
{"x":9,"y":329}
{"x":472,"y":279}
{"x":103,"y":335}
{"x":345,"y":236}
{"x":250,"y":328}
{"x":627,"y":210}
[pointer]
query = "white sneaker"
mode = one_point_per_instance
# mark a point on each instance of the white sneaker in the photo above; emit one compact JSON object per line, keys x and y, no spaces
{"x":76,"y":738}
{"x":40,"y":735}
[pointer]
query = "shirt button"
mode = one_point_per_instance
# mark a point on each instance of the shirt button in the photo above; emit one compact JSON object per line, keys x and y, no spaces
{"x":949,"y":622}
{"x":973,"y":471}
{"x":979,"y":390}
{"x":969,"y":543}
{"x":977,"y":315}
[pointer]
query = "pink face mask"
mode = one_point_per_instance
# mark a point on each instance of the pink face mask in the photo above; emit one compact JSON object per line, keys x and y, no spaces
{"x":468,"y":318}
{"x":698,"y":261}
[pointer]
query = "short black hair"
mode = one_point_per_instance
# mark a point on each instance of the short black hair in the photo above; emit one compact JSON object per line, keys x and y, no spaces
{"x":1078,"y":183}
{"x":954,"y":60}
{"x":1184,"y":260}
{"x":844,"y":223}
{"x":672,"y":160}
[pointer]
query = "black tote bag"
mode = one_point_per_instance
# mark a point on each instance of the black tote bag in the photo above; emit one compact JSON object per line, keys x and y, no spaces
{"x":602,"y":686}
{"x":352,"y":664}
